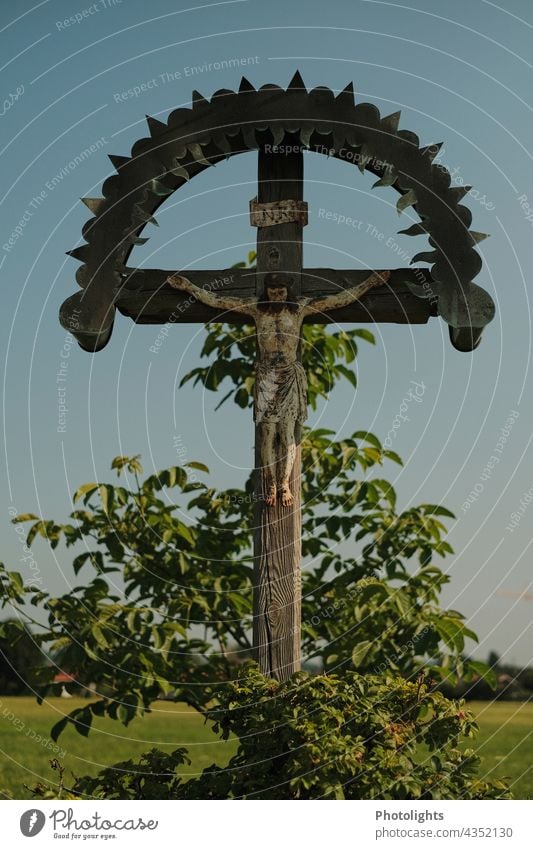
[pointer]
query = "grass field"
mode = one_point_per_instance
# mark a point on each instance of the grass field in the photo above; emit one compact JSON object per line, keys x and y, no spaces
{"x":505,"y":742}
{"x":26,"y":761}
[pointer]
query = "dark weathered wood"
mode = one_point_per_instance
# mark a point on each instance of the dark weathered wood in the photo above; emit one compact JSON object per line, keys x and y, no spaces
{"x":148,"y":300}
{"x":278,"y":530}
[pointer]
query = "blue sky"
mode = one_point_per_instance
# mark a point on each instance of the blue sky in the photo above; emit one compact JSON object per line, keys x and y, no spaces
{"x":459,"y":72}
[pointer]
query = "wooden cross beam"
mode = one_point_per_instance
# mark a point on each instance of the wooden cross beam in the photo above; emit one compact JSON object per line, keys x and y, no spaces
{"x":147,"y":298}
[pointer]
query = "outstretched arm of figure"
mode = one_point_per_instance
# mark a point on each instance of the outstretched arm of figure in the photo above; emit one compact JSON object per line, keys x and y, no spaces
{"x":347,"y":296}
{"x":212,"y":299}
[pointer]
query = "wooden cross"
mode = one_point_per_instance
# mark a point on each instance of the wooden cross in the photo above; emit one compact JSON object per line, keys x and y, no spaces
{"x":286,"y":122}
{"x":277,"y":527}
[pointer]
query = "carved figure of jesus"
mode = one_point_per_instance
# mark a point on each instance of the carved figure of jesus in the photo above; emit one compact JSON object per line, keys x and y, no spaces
{"x":280,"y":392}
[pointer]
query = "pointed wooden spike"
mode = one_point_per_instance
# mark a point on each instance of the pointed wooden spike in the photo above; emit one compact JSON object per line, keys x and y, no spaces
{"x":409,"y":137}
{"x":198,"y":99}
{"x":365,"y":155}
{"x":245,"y":85}
{"x":93,"y":204}
{"x":478,"y":237}
{"x":347,"y":94}
{"x":140,"y":214}
{"x":417,"y":229}
{"x":305,"y":135}
{"x":431,"y":150}
{"x":156,"y":127}
{"x":388,"y":179}
{"x":418,"y":290}
{"x":460,"y":191}
{"x":118,"y":161}
{"x":278,"y":133}
{"x":179,"y":170}
{"x":158,"y":188}
{"x":339,"y":138}
{"x":408,"y":199}
{"x":83,"y":276}
{"x":425,"y":256}
{"x":297,"y":82}
{"x":222,"y":143}
{"x":198,"y":154}
{"x":250,"y":140}
{"x":79,"y":253}
{"x":391,"y":121}
{"x":221,"y":93}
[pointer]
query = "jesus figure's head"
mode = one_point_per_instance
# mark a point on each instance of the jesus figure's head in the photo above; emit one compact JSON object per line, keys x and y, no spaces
{"x":278,"y":294}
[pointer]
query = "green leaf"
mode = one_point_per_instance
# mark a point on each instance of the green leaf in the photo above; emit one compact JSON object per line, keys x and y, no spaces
{"x":185,"y":532}
{"x":350,"y":375}
{"x":476,"y":667}
{"x":402,"y":603}
{"x":392,"y":455}
{"x":99,"y":636}
{"x":451,"y":632}
{"x":437,"y":510}
{"x":118,"y":462}
{"x":58,"y":728}
{"x":82,"y":558}
{"x":387,"y":489}
{"x":82,"y":721}
{"x":360,"y":652}
{"x":376,"y":588}
{"x":86,"y":489}
{"x":107,"y":497}
{"x":242,"y":398}
{"x":195,"y":465}
{"x":368,"y":437}
{"x":373,"y":454}
{"x":16,"y":581}
{"x":362,"y":333}
{"x":125,"y":713}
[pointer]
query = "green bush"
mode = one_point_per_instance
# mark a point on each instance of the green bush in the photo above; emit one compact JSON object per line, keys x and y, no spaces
{"x":320,"y":737}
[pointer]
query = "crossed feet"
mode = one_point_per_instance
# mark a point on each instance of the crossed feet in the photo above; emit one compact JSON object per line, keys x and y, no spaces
{"x":287,"y":498}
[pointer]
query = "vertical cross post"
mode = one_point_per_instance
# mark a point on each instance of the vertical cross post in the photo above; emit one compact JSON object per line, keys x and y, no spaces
{"x":277,"y":531}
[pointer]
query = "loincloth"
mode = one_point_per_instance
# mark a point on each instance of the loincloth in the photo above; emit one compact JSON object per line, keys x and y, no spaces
{"x":280,"y":392}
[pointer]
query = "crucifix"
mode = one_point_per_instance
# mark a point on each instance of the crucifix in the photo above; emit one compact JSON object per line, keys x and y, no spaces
{"x":280,"y":393}
{"x":280,"y":295}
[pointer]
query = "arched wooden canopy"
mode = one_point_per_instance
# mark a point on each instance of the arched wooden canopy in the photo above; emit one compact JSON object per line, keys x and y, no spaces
{"x":235,"y":122}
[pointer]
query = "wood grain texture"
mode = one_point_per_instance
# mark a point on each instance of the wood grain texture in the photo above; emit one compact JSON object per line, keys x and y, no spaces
{"x":277,"y":529}
{"x":147,"y":299}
